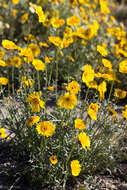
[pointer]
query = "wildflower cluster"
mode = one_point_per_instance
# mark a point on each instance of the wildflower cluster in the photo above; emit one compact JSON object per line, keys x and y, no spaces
{"x":66,"y":63}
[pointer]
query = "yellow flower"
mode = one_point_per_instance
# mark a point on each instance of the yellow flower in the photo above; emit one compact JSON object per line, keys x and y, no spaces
{"x":14,"y":12}
{"x":2,"y":53}
{"x":120,"y":93}
{"x":2,"y":63}
{"x":40,"y":14}
{"x":48,"y":59}
{"x":15,"y":2}
{"x":88,"y":74}
{"x":50,"y":88}
{"x":92,"y":109}
{"x":114,"y":113}
{"x":102,"y":50}
{"x":102,"y":89}
{"x":43,"y":44}
{"x":104,"y":7}
{"x":45,"y":128}
{"x":73,"y":87}
{"x":79,"y":124}
{"x":124,"y":113}
{"x":35,"y":49}
{"x":16,"y":61}
{"x":56,"y":40}
{"x":92,"y":84}
{"x":107,"y":64}
{"x":67,"y":101}
{"x":24,"y":18}
{"x":84,"y":140}
{"x":123,"y":66}
{"x":73,"y":20}
{"x":32,"y":120}
{"x":56,"y":22}
{"x":7,"y":44}
{"x":38,"y":64}
{"x":53,"y":159}
{"x":27,"y":52}
{"x":36,"y":102}
{"x":2,"y":133}
{"x":28,"y":82}
{"x":3,"y":81}
{"x":75,"y":167}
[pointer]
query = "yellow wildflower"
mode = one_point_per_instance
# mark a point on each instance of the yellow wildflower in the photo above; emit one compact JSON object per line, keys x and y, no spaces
{"x":35,"y":49}
{"x":15,"y":2}
{"x":32,"y":120}
{"x":79,"y":124}
{"x":43,"y":44}
{"x":84,"y":140}
{"x":3,"y":81}
{"x":73,"y":87}
{"x":35,"y":101}
{"x":2,"y":133}
{"x":75,"y":167}
{"x":73,"y":20}
{"x":56,"y":22}
{"x":53,"y":159}
{"x":123,"y":67}
{"x":102,"y":50}
{"x":56,"y":40}
{"x":107,"y":64}
{"x":50,"y":88}
{"x":24,"y":18}
{"x":102,"y":89}
{"x":88,"y":74}
{"x":2,"y":53}
{"x":120,"y":93}
{"x":7,"y":44}
{"x":48,"y":59}
{"x":2,"y":63}
{"x":45,"y":128}
{"x":124,"y":113}
{"x":114,"y":113}
{"x":38,"y":64}
{"x":40,"y":14}
{"x":67,"y":101}
{"x":92,"y":109}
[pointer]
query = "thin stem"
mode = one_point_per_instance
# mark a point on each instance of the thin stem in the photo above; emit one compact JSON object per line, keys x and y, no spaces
{"x":13,"y":90}
{"x":111,"y":90}
{"x":38,"y":77}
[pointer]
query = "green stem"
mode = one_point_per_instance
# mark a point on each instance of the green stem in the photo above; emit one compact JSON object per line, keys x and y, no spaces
{"x":111,"y":90}
{"x":13,"y":90}
{"x":68,"y":158}
{"x":38,"y":77}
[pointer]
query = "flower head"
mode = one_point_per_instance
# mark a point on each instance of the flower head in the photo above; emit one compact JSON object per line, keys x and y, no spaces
{"x":88,"y":74}
{"x":123,"y":67}
{"x":45,"y":128}
{"x":2,"y":133}
{"x":73,"y":87}
{"x":67,"y":101}
{"x":32,"y":120}
{"x":79,"y":124}
{"x":92,"y":109}
{"x":102,"y":50}
{"x":36,"y":102}
{"x":84,"y":140}
{"x":75,"y":167}
{"x":3,"y":81}
{"x":53,"y":159}
{"x":38,"y":64}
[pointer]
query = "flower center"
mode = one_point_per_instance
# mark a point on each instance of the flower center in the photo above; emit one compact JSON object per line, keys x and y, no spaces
{"x":35,"y":101}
